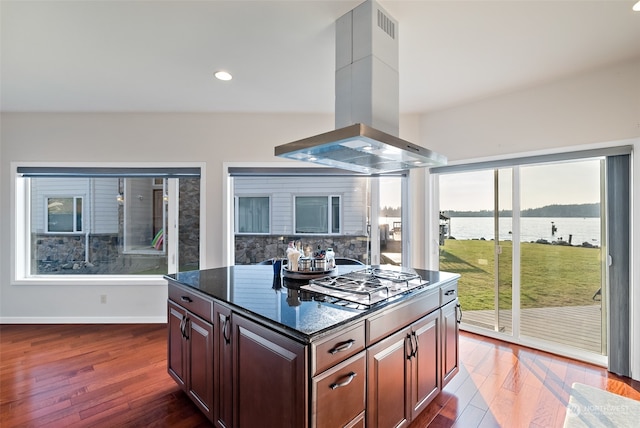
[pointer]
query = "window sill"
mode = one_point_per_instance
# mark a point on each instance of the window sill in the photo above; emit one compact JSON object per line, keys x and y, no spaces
{"x":92,"y":280}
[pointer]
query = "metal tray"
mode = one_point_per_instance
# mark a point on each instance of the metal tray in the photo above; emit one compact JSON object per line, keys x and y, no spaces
{"x":308,"y":274}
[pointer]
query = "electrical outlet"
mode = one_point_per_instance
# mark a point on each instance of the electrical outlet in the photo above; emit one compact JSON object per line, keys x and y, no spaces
{"x":103,"y":298}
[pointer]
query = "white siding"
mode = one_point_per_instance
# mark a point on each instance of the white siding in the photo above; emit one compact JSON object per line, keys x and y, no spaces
{"x":282,"y":190}
{"x":100,"y":208}
{"x":138,"y":198}
{"x":104,"y":206}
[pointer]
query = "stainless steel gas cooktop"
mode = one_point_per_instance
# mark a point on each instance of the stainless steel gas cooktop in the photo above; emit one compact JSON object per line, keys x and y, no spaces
{"x":366,"y":286}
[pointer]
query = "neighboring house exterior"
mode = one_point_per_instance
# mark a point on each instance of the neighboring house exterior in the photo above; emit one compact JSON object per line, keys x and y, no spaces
{"x":317,"y":211}
{"x":115,"y":225}
{"x":108,"y":225}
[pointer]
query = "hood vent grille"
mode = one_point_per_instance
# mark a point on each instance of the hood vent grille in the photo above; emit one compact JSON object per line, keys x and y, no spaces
{"x":386,"y":24}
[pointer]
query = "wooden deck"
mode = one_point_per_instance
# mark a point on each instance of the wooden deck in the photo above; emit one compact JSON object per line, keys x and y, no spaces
{"x":576,"y":326}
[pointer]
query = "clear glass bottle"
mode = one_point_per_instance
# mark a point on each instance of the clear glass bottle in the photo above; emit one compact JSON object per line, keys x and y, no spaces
{"x":331,"y":257}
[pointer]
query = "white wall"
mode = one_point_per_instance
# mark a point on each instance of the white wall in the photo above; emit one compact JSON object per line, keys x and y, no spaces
{"x":592,"y":108}
{"x":596,"y":109}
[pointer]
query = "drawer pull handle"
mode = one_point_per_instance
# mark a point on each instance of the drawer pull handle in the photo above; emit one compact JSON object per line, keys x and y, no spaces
{"x":186,"y":299}
{"x":450,"y":293}
{"x":350,"y":377}
{"x":342,"y":347}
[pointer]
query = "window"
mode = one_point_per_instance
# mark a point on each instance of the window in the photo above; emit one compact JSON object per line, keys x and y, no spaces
{"x":317,"y":214}
{"x":252,"y":214}
{"x":335,"y":214}
{"x":107,"y":221}
{"x":342,"y":220}
{"x":64,"y":215}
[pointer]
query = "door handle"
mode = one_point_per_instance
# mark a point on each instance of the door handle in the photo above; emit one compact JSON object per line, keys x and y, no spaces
{"x":225,"y":331}
{"x":186,"y":323}
{"x":182,"y":325}
{"x":415,"y":349}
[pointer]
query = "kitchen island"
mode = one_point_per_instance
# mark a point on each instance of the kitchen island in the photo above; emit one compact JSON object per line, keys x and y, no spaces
{"x":253,"y":349}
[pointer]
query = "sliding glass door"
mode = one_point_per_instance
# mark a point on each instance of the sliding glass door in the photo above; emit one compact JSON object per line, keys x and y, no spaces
{"x":528,"y":242}
{"x":561,"y":263}
{"x":476,"y":242}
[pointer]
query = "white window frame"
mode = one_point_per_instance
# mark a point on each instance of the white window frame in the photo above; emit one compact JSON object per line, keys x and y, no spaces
{"x":516,"y":162}
{"x":75,"y":230}
{"x":329,"y":214}
{"x":236,"y":219}
{"x":230,"y":168}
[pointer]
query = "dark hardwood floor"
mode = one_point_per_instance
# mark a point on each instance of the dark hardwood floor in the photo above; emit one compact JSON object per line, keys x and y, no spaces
{"x":115,"y":375}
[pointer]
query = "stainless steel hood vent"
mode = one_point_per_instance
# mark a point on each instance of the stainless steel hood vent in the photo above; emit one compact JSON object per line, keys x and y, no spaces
{"x":361,"y":148}
{"x":367,"y":102}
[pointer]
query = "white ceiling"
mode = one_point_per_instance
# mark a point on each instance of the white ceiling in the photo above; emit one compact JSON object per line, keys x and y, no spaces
{"x":160,"y":55}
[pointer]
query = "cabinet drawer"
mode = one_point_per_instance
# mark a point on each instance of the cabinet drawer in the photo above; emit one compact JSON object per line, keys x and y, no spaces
{"x":383,"y":324}
{"x":339,"y":393}
{"x":448,"y":293}
{"x":336,"y":348}
{"x":191,"y":301}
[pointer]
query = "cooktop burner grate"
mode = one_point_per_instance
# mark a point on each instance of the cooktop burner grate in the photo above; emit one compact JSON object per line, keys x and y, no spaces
{"x":366,"y":286}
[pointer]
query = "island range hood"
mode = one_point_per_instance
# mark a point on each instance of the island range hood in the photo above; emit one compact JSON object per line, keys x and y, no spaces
{"x":367,"y":102}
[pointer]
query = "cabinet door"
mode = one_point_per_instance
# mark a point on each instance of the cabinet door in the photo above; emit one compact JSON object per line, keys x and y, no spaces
{"x":387,"y":380}
{"x":176,"y":348}
{"x":200,"y":366}
{"x":270,"y":377}
{"x":425,"y":371}
{"x":223,"y":368}
{"x":450,"y":357}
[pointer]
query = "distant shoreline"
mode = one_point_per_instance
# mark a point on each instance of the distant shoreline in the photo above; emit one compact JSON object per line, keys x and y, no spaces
{"x":559,"y":211}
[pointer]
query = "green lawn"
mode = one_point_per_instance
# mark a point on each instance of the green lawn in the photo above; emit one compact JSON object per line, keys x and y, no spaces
{"x":551,"y":275}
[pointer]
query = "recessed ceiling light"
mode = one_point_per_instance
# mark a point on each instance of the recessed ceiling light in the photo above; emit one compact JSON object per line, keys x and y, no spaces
{"x":636,"y":6}
{"x":223,"y":75}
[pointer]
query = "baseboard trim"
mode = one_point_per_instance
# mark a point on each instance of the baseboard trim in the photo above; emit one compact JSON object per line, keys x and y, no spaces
{"x":83,"y":320}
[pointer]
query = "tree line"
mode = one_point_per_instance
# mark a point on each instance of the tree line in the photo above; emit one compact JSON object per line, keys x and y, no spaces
{"x":569,"y":210}
{"x":391,"y":212}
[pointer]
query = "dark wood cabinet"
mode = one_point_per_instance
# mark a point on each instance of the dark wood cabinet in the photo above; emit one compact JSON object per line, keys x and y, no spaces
{"x":177,"y":351}
{"x":223,"y":368}
{"x":450,"y":342}
{"x":190,"y":355}
{"x":339,"y":394}
{"x":387,"y":379}
{"x":424,"y":371}
{"x":338,"y":385}
{"x":380,"y":370}
{"x":199,"y":340}
{"x":270,"y":377}
{"x":403,"y":373}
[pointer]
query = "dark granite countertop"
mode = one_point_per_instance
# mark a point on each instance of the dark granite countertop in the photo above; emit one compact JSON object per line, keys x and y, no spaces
{"x":255,"y":290}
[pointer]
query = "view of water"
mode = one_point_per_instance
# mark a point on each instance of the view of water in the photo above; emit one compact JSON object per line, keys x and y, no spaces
{"x":533,"y":228}
{"x":579,"y":230}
